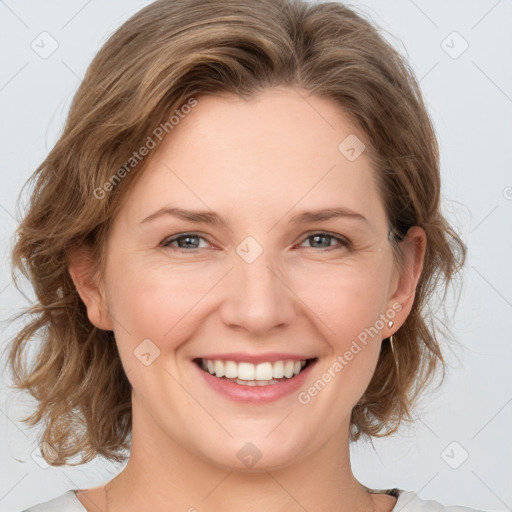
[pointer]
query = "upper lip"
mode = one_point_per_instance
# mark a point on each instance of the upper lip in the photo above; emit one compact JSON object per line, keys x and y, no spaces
{"x":239,"y":357}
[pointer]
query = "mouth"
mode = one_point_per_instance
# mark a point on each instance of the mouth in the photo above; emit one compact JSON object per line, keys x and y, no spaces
{"x":266,"y":373}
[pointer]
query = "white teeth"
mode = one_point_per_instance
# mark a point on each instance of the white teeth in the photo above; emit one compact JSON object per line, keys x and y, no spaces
{"x":246,"y":382}
{"x":231,"y":369}
{"x":278,"y":370}
{"x":263,"y":371}
{"x":250,"y":374}
{"x":219,"y":369}
{"x":256,"y":382}
{"x":288,"y":369}
{"x":246,"y":371}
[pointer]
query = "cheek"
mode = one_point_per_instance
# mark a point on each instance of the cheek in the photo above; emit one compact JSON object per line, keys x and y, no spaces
{"x":346,"y":305}
{"x":158,"y":303}
{"x":347,"y":299}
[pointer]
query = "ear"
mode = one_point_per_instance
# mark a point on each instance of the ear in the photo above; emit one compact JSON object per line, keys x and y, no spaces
{"x":82,"y":271}
{"x":413,"y":248}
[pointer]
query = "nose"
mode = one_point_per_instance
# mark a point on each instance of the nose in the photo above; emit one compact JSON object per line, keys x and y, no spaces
{"x":258,"y":298}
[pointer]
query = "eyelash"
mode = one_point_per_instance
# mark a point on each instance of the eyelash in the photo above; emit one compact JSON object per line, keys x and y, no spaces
{"x":342,"y":241}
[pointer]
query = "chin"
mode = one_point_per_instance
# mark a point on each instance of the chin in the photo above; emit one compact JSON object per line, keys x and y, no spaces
{"x":253,"y":456}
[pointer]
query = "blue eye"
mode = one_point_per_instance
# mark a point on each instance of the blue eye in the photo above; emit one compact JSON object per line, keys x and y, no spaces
{"x":192,"y":241}
{"x":189,"y":240}
{"x":317,"y":237}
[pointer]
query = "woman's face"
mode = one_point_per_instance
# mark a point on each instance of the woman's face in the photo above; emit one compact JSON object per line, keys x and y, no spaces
{"x":255,"y":281}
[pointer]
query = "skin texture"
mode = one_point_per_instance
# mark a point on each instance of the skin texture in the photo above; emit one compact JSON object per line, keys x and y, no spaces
{"x":256,"y":163}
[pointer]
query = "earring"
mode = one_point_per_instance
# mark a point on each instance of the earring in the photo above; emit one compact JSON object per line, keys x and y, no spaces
{"x":390,"y":324}
{"x":393,"y":352}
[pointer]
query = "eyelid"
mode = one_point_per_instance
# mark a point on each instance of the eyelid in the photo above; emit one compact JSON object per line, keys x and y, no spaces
{"x":173,"y":238}
{"x":342,"y":240}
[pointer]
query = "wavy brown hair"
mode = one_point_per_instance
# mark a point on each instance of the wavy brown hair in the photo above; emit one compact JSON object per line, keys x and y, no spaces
{"x":166,"y":54}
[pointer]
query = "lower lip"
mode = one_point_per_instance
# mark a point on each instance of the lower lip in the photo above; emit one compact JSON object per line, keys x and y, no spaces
{"x":255,"y":394}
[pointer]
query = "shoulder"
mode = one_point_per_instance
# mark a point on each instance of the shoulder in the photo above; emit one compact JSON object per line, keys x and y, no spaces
{"x":67,"y":502}
{"x":408,"y":501}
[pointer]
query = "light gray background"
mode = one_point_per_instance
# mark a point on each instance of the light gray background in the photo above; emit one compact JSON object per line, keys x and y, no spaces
{"x":470,"y":99}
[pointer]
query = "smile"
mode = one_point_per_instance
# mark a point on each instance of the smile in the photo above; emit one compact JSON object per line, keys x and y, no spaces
{"x":249,"y":374}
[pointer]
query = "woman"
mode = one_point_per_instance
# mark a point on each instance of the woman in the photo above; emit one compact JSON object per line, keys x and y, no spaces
{"x":232,"y":243}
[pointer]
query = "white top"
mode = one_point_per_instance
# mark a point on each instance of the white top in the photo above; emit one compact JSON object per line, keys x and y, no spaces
{"x":407,"y":501}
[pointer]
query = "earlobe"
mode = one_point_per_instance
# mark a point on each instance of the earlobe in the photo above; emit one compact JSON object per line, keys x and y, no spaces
{"x":82,"y":271}
{"x":413,"y":248}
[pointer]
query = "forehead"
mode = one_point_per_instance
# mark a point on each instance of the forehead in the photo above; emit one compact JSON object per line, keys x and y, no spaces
{"x":278,"y":151}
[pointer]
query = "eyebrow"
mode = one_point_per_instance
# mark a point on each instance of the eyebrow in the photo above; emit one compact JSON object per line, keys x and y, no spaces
{"x":208,"y":217}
